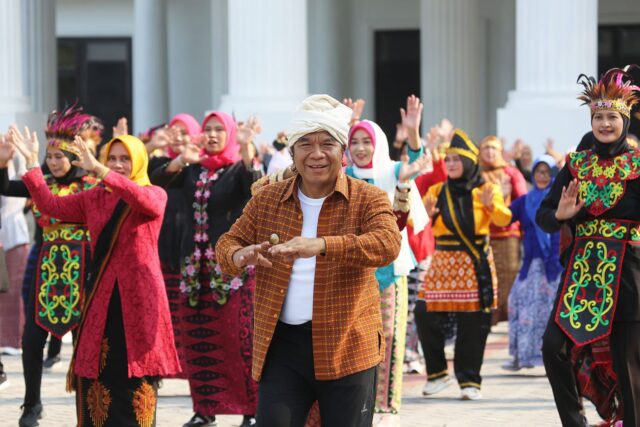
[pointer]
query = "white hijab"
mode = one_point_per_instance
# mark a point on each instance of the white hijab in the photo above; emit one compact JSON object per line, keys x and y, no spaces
{"x":383,"y":175}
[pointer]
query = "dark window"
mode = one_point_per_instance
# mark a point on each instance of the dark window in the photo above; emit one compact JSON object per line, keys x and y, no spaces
{"x":619,"y":45}
{"x":397,"y":75}
{"x":97,"y":73}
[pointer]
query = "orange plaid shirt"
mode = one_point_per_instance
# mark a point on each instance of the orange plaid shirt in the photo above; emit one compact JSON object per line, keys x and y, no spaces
{"x":361,"y":234}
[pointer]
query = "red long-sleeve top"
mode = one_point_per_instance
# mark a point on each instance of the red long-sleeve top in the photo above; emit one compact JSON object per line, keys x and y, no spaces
{"x":134,"y":265}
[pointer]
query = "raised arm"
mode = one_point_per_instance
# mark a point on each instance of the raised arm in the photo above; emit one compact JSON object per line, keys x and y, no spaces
{"x":491,"y":198}
{"x":66,"y":209}
{"x":148,"y":200}
{"x":12,"y":188}
{"x":562,"y":199}
{"x":8,"y":187}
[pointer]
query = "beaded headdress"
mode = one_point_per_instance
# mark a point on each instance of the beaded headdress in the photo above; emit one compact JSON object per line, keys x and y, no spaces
{"x":63,"y":126}
{"x":615,"y":91}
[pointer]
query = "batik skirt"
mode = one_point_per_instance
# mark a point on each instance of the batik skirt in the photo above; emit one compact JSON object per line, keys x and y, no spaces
{"x":174,"y":296}
{"x":507,"y":258}
{"x":530,"y":304}
{"x":217,"y":345}
{"x":393,"y":300}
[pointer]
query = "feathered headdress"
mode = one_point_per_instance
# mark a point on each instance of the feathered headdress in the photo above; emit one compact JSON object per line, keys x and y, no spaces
{"x":615,"y":91}
{"x":63,"y":126}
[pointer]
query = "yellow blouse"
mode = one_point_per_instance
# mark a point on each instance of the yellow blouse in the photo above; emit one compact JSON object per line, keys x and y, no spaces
{"x":500,"y":215}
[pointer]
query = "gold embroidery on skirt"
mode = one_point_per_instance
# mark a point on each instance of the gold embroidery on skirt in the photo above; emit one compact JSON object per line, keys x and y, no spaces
{"x":98,"y":402}
{"x":104,"y":351}
{"x":144,"y":404}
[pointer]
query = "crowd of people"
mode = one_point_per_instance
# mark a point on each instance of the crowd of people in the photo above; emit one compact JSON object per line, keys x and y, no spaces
{"x":296,"y":284}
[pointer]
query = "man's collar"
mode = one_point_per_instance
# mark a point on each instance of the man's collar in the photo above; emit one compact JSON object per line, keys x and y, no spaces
{"x":341,"y":187}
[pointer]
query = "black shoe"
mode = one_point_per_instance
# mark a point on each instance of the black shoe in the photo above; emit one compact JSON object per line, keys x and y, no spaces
{"x":201,"y":421}
{"x":248,"y":421}
{"x":50,"y":361}
{"x":30,"y":415}
{"x":4,"y":381}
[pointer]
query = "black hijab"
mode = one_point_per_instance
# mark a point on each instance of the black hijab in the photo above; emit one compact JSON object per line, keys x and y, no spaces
{"x":74,"y":174}
{"x":608,"y":150}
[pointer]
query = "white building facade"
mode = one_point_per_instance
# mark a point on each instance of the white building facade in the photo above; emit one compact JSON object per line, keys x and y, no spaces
{"x":505,"y":67}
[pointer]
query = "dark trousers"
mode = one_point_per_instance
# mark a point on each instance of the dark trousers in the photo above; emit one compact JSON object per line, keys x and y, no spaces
{"x":288,"y":386}
{"x":625,"y":352}
{"x":471,"y":339}
{"x":34,"y":339}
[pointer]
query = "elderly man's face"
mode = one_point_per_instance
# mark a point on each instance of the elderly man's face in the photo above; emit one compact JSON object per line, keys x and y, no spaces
{"x":318,"y":159}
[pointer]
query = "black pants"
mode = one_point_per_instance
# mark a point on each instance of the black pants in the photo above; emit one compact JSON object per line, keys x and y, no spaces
{"x":288,"y":386}
{"x":471,"y":339}
{"x":625,"y":352}
{"x":34,"y":339}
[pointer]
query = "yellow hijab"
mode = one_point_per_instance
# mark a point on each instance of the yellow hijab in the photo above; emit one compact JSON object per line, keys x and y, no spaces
{"x":138,"y":154}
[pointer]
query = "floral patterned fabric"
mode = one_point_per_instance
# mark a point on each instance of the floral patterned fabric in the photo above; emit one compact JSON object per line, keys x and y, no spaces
{"x":530,"y":304}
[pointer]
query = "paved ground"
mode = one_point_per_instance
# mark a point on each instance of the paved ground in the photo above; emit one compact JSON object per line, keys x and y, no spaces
{"x":511,"y":400}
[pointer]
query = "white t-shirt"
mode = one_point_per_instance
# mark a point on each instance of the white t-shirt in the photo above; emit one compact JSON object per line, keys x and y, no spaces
{"x":298,"y":303}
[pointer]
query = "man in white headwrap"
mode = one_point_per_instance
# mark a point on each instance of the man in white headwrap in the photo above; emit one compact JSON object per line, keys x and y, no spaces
{"x":316,"y":240}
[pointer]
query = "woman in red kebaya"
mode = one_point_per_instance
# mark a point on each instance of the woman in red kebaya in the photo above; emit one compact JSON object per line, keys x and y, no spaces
{"x":125,"y":340}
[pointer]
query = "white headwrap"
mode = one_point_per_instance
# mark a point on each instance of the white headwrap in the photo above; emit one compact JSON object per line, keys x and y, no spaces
{"x":320,"y":113}
{"x":383,"y":173}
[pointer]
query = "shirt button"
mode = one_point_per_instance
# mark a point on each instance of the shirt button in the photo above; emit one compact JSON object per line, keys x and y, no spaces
{"x":281,"y":291}
{"x":275,"y":316}
{"x":299,"y":216}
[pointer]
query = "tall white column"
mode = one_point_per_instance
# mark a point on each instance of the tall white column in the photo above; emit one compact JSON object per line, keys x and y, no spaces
{"x":41,"y":52}
{"x":555,"y":42}
{"x":267,"y":61}
{"x":453,"y":77}
{"x":13,"y":100}
{"x":150,"y":83}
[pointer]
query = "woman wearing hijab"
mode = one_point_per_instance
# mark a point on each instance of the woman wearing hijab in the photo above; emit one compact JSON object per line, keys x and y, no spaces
{"x":592,"y":341}
{"x":505,"y":241}
{"x":369,"y":152}
{"x":217,"y":310}
{"x":57,"y":283}
{"x":532,"y":295}
{"x":125,"y":339}
{"x":185,"y":129}
{"x":462,"y":278}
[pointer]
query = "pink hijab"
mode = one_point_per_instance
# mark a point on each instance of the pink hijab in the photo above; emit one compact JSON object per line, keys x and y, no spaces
{"x":192,"y":125}
{"x":230,"y":154}
{"x":365,"y":126}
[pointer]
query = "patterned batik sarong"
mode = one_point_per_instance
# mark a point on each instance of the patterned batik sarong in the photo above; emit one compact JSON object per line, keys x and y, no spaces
{"x":590,"y":286}
{"x":216,"y":334}
{"x":174,"y":296}
{"x":113,"y":399}
{"x":506,"y":253}
{"x":530,"y":305}
{"x":60,"y":278}
{"x":393,"y":301}
{"x":451,"y":283}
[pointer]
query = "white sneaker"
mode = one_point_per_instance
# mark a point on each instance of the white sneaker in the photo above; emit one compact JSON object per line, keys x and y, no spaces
{"x":11,"y":351}
{"x":470,"y":393}
{"x":435,"y":386}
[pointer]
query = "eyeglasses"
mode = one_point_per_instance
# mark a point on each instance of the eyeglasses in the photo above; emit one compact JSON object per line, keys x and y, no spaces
{"x":542,"y":172}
